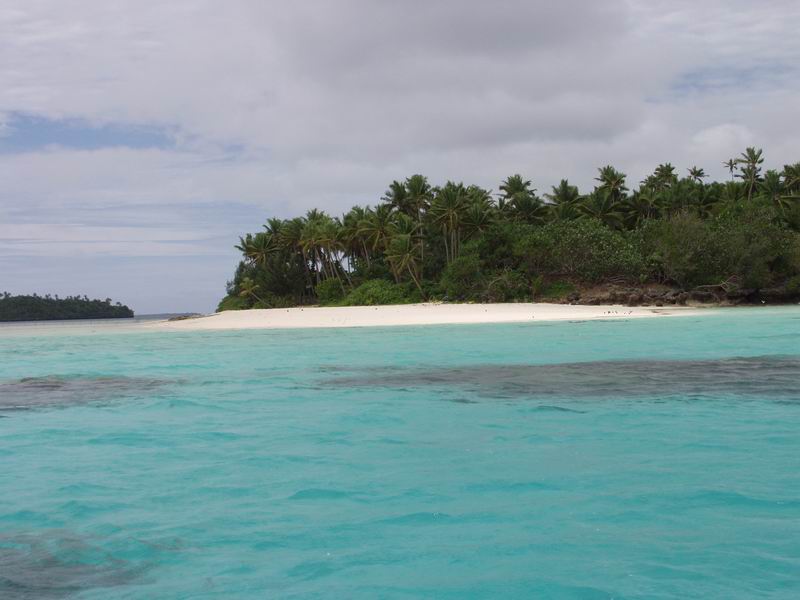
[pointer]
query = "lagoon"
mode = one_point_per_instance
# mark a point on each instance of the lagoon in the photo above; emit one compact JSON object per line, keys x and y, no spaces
{"x":648,"y":458}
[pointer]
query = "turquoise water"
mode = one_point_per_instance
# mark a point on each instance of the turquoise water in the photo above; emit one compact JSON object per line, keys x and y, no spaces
{"x":428,"y":462}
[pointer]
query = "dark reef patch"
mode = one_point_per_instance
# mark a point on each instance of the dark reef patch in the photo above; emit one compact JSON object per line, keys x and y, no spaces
{"x":57,"y":564}
{"x":54,"y":391}
{"x":768,"y":377}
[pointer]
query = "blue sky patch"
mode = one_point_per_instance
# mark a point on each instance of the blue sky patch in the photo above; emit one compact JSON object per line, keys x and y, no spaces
{"x":27,"y":133}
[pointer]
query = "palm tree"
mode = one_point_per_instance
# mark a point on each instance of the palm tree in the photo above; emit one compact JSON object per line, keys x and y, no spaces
{"x":730,"y":164}
{"x":420,"y":196}
{"x":257,"y":248}
{"x":732,"y":193}
{"x":248,"y":289}
{"x":377,"y":227}
{"x":519,"y":199}
{"x":750,"y":169}
{"x":477,"y":217}
{"x":528,"y":209}
{"x":563,"y":201}
{"x":663,"y":178}
{"x":446,"y":212}
{"x":601,"y":205}
{"x":402,"y":253}
{"x":697,"y":174}
{"x":772,"y":188}
{"x":791,"y":177}
{"x":398,"y":197}
{"x":515,"y":186}
{"x":612,"y":183}
{"x":353,"y":240}
{"x":640,"y":207}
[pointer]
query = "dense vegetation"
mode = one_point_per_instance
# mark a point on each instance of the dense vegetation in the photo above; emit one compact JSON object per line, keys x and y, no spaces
{"x":462,"y":242}
{"x":47,"y":308}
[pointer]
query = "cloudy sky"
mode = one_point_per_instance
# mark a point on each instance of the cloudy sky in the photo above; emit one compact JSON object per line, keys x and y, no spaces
{"x":139,"y":139}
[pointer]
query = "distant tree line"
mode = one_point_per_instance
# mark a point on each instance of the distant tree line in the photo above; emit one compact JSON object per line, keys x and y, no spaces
{"x":463,"y":242}
{"x":45,"y":308}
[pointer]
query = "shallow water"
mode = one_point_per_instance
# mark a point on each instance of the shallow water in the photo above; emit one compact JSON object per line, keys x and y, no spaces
{"x":653,"y":458}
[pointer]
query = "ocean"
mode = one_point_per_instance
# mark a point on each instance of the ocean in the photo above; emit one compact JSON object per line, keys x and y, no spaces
{"x":650,"y":458}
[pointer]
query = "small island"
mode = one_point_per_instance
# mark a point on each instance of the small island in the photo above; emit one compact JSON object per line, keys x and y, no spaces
{"x":51,"y":308}
{"x":668,"y":240}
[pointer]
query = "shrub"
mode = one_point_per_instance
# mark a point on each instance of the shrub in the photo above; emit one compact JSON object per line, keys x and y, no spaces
{"x":506,"y":286}
{"x":747,"y":246}
{"x":329,"y":292}
{"x":793,"y":285}
{"x":555,"y":290}
{"x":375,"y":292}
{"x":462,"y":278}
{"x":680,"y":249}
{"x":232,"y":303}
{"x":585,"y":249}
{"x":275,"y":301}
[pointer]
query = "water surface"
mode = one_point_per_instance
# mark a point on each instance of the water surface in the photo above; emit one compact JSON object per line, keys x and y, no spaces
{"x":653,"y":458}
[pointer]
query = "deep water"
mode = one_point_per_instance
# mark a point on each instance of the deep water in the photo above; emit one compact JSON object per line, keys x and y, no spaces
{"x":651,"y":458}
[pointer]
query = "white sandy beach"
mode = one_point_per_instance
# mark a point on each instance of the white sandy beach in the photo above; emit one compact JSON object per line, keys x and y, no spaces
{"x":412,"y":314}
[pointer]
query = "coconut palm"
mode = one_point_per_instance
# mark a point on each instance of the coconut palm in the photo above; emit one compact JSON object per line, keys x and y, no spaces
{"x":353,"y":240}
{"x":730,"y":164}
{"x":377,"y":227}
{"x":772,"y":188}
{"x":528,"y":209}
{"x":515,"y":186}
{"x":257,"y":248}
{"x":639,"y":207}
{"x":477,"y":217}
{"x":612,"y":183}
{"x":601,"y":205}
{"x":563,"y":201}
{"x":750,"y":169}
{"x":791,"y":178}
{"x":696,"y":174}
{"x":402,"y":254}
{"x":398,"y":197}
{"x":249,"y":289}
{"x":447,"y":211}
{"x":663,"y":178}
{"x":420,"y":196}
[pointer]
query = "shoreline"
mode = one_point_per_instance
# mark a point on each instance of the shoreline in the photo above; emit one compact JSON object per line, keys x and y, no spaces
{"x":395,"y":315}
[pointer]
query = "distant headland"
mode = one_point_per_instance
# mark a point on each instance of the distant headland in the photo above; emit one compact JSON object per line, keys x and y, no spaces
{"x":51,"y":308}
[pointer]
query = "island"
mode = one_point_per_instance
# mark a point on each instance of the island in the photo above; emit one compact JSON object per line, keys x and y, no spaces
{"x":670,"y":240}
{"x":49,"y":308}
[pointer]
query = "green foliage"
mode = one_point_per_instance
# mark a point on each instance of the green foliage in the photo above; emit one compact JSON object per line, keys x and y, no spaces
{"x":47,"y":308}
{"x":462,"y":278}
{"x":793,"y":285}
{"x":555,"y":290}
{"x":746,"y":247}
{"x":506,"y":285}
{"x":462,"y":242}
{"x":329,"y":292}
{"x":232,"y":303}
{"x":585,"y":249}
{"x":377,"y":292}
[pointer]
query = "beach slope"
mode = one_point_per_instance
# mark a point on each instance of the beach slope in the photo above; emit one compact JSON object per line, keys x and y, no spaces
{"x":413,"y":314}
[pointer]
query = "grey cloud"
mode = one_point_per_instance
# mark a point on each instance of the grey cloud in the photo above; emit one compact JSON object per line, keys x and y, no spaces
{"x":279,"y":106}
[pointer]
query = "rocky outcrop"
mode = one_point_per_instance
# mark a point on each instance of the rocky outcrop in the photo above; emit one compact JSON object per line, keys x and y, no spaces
{"x":662,"y":295}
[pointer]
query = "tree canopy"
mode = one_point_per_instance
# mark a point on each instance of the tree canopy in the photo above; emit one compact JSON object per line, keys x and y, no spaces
{"x":457,"y":241}
{"x":47,"y":308}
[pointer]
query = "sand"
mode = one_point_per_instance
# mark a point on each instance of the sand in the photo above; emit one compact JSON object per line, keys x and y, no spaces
{"x":412,"y":314}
